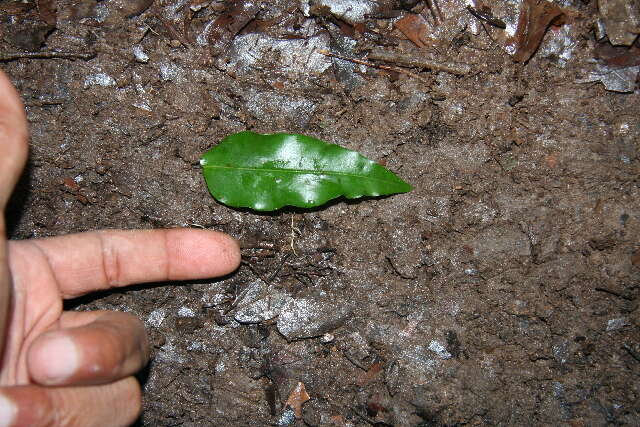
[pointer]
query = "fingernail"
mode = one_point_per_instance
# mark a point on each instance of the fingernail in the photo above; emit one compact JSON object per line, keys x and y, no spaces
{"x":62,"y":357}
{"x":7,"y":411}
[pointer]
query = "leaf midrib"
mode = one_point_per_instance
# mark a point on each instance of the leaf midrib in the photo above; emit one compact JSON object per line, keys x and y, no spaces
{"x":300,"y":171}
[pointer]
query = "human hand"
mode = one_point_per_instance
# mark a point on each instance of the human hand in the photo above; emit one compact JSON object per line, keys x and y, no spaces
{"x":75,"y":368}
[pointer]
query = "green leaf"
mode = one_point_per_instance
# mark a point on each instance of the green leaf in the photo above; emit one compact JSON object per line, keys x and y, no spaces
{"x":267,"y":172}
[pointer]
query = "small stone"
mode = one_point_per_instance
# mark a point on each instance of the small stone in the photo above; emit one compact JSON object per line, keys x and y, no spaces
{"x":327,"y":338}
{"x":260,"y":303}
{"x":310,"y":317}
{"x":288,"y":417}
{"x":99,"y":79}
{"x":440,"y":350}
{"x":186,"y":312}
{"x":140,"y":54}
{"x":615,"y":324}
{"x":156,"y":317}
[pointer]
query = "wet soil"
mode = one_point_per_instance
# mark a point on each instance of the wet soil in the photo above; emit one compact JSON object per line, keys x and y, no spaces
{"x":502,"y":290}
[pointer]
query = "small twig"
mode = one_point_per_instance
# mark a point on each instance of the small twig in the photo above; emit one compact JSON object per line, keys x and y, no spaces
{"x":614,"y":293}
{"x":254,"y":271}
{"x":42,"y":103}
{"x":631,"y":352}
{"x":6,"y":57}
{"x":353,"y":360}
{"x":395,"y":269}
{"x":435,"y":12}
{"x":412,"y":61}
{"x":435,"y":2}
{"x":293,"y":235}
{"x":302,"y":275}
{"x":362,"y":417}
{"x":372,"y":65}
{"x":487,"y":17}
{"x":277,"y":270}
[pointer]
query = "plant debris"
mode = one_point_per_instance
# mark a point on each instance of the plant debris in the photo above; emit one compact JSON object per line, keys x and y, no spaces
{"x":297,"y":398}
{"x":236,"y":16}
{"x":14,"y":8}
{"x":484,"y":14}
{"x":369,"y":375}
{"x":618,"y":56}
{"x":130,"y":8}
{"x":419,"y":62}
{"x":5,"y":57}
{"x":372,"y":65}
{"x":415,"y":28}
{"x":535,"y":18}
{"x":47,"y":12}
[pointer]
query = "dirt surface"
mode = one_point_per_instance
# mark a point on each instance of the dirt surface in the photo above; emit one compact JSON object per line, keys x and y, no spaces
{"x":502,"y":290}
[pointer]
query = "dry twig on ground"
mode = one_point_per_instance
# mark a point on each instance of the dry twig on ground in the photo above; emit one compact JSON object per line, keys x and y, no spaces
{"x":85,"y":56}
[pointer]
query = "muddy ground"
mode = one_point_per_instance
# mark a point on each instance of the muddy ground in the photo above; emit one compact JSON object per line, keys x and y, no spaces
{"x":502,"y":290}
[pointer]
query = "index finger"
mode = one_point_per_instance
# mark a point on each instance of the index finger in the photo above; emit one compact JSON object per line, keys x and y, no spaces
{"x":99,"y":260}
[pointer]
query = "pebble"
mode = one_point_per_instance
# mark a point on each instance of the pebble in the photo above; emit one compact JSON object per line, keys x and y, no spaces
{"x":260,"y":303}
{"x":615,"y":324}
{"x":139,"y":54}
{"x":310,"y":317}
{"x":440,"y":350}
{"x":263,"y":309}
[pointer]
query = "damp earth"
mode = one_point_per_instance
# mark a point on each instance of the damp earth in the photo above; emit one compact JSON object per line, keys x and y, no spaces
{"x":502,"y":290}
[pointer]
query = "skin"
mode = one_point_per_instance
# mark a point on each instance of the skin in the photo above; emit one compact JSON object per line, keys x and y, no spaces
{"x":75,"y":368}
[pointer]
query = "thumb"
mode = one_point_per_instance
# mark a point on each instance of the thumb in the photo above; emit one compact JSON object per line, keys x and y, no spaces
{"x":13,"y":138}
{"x":114,"y":404}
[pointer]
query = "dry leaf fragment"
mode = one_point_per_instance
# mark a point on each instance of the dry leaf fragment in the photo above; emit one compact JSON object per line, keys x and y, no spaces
{"x":618,"y":56}
{"x":535,"y":18}
{"x":368,"y":376}
{"x":129,"y":8}
{"x":222,"y":31}
{"x":414,"y":27}
{"x":47,"y":11}
{"x":297,"y":398}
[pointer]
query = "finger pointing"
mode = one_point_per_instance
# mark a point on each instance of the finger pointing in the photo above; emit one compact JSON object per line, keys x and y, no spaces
{"x":90,"y":348}
{"x":101,"y":260}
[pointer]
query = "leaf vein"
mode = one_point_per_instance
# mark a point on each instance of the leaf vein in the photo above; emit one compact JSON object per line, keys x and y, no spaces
{"x":301,"y":171}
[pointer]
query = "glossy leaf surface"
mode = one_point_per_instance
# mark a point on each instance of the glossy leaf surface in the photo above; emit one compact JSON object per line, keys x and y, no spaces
{"x":267,"y":172}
